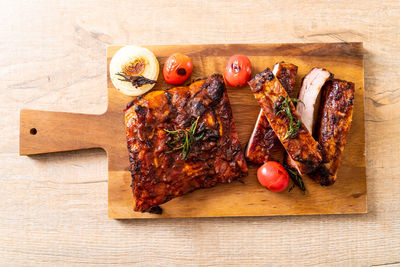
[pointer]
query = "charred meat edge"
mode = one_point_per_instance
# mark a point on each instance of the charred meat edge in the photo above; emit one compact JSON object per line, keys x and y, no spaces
{"x":336,"y":113}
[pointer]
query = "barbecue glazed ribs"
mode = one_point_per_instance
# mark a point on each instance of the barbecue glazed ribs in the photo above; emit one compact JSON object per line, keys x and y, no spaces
{"x":263,"y":138}
{"x":336,"y":112}
{"x":161,"y":169}
{"x":301,"y":147}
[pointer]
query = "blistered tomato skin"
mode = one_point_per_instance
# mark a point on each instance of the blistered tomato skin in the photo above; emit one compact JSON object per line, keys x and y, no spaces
{"x":177,"y":69}
{"x":273,"y":176}
{"x":237,"y":71}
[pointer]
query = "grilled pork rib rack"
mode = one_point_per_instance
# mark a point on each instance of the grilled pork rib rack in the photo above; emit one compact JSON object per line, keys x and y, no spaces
{"x":155,"y":124}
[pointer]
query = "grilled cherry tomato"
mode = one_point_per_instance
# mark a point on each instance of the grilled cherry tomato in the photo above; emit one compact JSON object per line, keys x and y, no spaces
{"x":273,"y":176}
{"x":177,"y":69}
{"x":237,"y":70}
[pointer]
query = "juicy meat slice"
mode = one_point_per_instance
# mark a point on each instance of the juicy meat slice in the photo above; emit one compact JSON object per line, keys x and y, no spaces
{"x":309,"y":92}
{"x":263,"y":138}
{"x":160,"y":174}
{"x":302,"y":147}
{"x":336,"y":113}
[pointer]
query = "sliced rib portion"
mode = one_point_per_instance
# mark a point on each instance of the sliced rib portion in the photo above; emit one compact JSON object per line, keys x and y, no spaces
{"x":301,"y":147}
{"x":263,"y":138}
{"x":336,"y":112}
{"x":261,"y":141}
{"x":309,"y":93}
{"x":161,"y":167}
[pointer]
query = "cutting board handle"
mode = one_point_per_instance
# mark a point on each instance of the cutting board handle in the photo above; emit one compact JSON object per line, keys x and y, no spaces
{"x":46,"y":131}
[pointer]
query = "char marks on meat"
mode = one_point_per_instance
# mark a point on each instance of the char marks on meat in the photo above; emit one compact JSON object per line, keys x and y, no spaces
{"x":262,"y":140}
{"x":336,"y":113}
{"x":286,"y":74}
{"x":263,"y":137}
{"x":159,"y":175}
{"x":268,"y":91}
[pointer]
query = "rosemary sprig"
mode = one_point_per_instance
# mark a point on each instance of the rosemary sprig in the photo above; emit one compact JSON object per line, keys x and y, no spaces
{"x":136,"y":81}
{"x":294,"y":123}
{"x":183,"y":139}
{"x":296,"y":178}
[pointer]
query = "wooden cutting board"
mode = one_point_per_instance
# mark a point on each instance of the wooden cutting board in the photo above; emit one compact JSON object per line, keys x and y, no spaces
{"x":47,"y":132}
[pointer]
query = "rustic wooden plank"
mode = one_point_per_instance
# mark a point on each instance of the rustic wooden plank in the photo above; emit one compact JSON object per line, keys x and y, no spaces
{"x":348,"y":195}
{"x":43,"y":132}
{"x":46,"y":131}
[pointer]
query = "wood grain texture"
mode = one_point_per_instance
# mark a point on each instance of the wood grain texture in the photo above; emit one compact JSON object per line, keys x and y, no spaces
{"x":55,"y":131}
{"x":249,"y":198}
{"x":53,"y":210}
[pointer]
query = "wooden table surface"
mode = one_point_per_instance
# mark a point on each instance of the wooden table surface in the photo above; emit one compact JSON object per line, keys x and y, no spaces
{"x":53,"y":208}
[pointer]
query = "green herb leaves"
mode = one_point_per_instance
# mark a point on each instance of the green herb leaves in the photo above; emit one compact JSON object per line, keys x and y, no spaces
{"x":284,"y":107}
{"x":183,"y":139}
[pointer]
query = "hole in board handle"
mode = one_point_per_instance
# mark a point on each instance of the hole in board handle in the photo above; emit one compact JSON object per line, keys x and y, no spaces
{"x":33,"y":131}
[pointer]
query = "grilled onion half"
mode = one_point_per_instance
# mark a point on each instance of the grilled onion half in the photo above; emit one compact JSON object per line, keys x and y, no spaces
{"x":134,"y":70}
